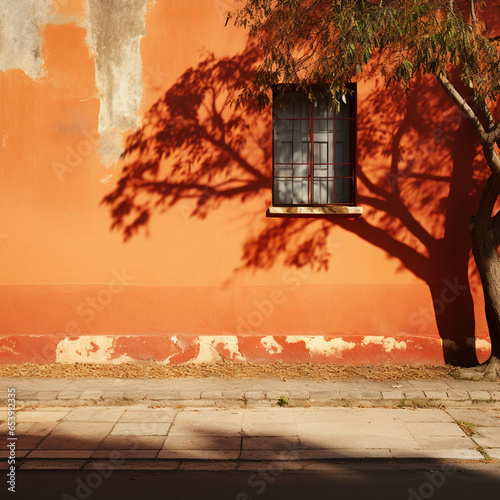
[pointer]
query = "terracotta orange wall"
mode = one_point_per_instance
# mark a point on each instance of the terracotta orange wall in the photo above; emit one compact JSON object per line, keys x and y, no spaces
{"x":181,"y":275}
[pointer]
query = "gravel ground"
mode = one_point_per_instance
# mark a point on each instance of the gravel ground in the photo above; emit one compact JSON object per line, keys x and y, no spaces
{"x":229,"y":370}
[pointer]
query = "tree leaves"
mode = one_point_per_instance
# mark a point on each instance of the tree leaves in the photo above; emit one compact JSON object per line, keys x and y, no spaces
{"x":331,"y":42}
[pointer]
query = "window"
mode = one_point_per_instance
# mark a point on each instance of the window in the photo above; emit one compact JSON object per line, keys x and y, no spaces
{"x":313,"y":152}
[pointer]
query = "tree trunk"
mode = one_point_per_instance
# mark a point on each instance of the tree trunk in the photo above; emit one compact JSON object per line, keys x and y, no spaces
{"x":485,"y":238}
{"x":454,"y":312}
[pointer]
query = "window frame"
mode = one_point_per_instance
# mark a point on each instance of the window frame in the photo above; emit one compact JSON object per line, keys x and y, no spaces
{"x":311,"y":207}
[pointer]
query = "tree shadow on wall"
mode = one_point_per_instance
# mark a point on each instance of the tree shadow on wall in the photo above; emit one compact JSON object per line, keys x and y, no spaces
{"x":197,"y":152}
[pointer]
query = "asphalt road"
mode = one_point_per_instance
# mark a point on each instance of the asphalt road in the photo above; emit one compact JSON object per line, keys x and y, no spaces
{"x":340,"y":481}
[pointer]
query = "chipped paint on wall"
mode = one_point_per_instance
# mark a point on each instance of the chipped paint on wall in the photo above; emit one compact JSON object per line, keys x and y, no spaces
{"x":20,"y":40}
{"x":319,"y":345}
{"x":388,"y":343}
{"x":209,"y":349}
{"x":115,"y":29}
{"x":88,"y":349}
{"x":110,"y":349}
{"x":271,"y":346}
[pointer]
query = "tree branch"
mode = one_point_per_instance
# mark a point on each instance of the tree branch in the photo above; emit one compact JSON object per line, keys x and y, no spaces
{"x":473,"y":12}
{"x":462,"y":104}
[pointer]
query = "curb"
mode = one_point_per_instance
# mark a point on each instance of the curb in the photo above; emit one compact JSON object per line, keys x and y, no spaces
{"x":267,"y":400}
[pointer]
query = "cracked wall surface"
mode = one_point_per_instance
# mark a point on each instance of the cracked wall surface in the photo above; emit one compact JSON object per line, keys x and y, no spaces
{"x":115,"y":29}
{"x":20,"y":41}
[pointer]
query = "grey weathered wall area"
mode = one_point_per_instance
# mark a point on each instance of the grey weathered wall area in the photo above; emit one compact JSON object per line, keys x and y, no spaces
{"x":115,"y":29}
{"x":20,"y":41}
{"x":114,"y":32}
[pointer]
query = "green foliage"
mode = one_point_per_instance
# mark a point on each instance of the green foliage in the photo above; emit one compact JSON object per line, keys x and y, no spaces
{"x":283,"y":401}
{"x":332,"y":42}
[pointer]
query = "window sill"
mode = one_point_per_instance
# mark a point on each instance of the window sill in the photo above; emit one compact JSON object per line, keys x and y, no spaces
{"x":348,"y":210}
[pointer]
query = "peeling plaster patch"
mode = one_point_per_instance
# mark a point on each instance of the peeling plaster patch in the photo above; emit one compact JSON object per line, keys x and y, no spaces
{"x":208,"y":348}
{"x":86,"y":349}
{"x":482,"y":345}
{"x":270,"y":345}
{"x":115,"y":29}
{"x":319,"y":345}
{"x":388,"y":343}
{"x":20,"y":41}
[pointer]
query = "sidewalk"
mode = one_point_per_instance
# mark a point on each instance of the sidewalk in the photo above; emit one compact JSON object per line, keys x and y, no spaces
{"x":218,"y":392}
{"x":217,"y":424}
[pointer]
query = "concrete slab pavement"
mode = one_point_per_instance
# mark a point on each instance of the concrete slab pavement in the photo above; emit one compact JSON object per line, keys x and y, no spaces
{"x":291,"y":436}
{"x":214,"y":391}
{"x":230,"y":424}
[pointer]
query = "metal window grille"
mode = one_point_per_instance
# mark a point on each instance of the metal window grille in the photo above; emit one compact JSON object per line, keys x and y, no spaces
{"x":313,"y":152}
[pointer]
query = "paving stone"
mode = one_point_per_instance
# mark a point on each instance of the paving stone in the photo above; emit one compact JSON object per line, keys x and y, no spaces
{"x":113,"y":395}
{"x":49,"y":395}
{"x":458,"y":395}
{"x":190,"y":395}
{"x":344,"y":453}
{"x":211,"y":395}
{"x":26,"y":395}
{"x":445,"y":442}
{"x":28,"y":442}
{"x":193,"y":403}
{"x":61,"y":454}
{"x":233,"y":395}
{"x":199,"y":454}
{"x":94,"y":414}
{"x":133,"y":395}
{"x":141,"y":429}
{"x":494,"y":453}
{"x":148,"y":465}
{"x":442,"y":395}
{"x":371,"y":395}
{"x":298,"y":394}
{"x":480,"y":395}
{"x":393,"y":395}
{"x":412,"y":394}
{"x":275,"y":429}
{"x":255,"y":395}
{"x":125,"y":454}
{"x":132,"y":443}
{"x":65,"y":395}
{"x":45,"y":416}
{"x":430,"y":385}
{"x":324,"y":395}
{"x":74,"y":436}
{"x":488,"y":437}
{"x":52,"y":464}
{"x":162,"y":395}
{"x":483,"y":417}
{"x":350,"y":394}
{"x":270,"y":443}
{"x":166,"y":415}
{"x":424,"y":429}
{"x":261,"y":403}
{"x":35,"y":428}
{"x":422,"y":415}
{"x":95,"y":395}
{"x":275,"y":395}
{"x":202,"y":443}
{"x":438,"y":454}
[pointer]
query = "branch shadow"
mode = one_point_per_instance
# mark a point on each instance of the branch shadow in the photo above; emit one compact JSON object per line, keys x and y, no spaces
{"x":417,"y":180}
